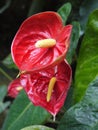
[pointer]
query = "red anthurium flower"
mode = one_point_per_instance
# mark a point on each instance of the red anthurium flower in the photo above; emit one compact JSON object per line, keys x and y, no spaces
{"x":48,"y":88}
{"x":41,"y":42}
{"x":14,"y":88}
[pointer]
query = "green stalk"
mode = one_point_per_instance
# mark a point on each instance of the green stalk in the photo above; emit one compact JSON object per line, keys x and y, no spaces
{"x":5,"y":74}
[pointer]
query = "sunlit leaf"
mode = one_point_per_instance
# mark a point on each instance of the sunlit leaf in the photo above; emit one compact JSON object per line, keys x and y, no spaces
{"x":87,"y":67}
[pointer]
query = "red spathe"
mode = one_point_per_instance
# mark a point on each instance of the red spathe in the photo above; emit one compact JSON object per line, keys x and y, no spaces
{"x":46,"y":25}
{"x":36,"y":86}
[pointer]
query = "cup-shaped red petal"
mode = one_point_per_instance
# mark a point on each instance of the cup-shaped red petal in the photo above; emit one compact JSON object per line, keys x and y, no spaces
{"x":39,"y":27}
{"x":36,"y":87}
{"x":14,"y":88}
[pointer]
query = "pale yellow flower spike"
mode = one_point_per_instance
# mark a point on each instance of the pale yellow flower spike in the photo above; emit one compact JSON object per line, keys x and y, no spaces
{"x":50,"y":88}
{"x":19,"y":88}
{"x":45,"y":43}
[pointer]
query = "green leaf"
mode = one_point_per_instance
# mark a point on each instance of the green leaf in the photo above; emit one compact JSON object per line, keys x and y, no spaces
{"x":3,"y":106}
{"x":74,"y":41}
{"x":87,"y":66}
{"x":37,"y":127}
{"x":64,"y":11}
{"x":95,"y":127}
{"x":3,"y":91}
{"x":69,"y":99}
{"x":83,"y":115}
{"x":23,"y":113}
{"x":9,"y":62}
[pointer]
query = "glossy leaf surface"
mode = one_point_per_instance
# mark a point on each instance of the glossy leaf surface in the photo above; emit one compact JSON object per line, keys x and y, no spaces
{"x":87,"y":67}
{"x":22,"y":113}
{"x":46,"y":25}
{"x":83,"y":115}
{"x":37,"y":127}
{"x":36,"y":86}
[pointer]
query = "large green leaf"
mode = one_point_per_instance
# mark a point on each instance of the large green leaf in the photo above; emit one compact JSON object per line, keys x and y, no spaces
{"x":87,"y":67}
{"x":23,"y":113}
{"x":64,"y":11}
{"x":83,"y":115}
{"x":74,"y":41}
{"x":37,"y":127}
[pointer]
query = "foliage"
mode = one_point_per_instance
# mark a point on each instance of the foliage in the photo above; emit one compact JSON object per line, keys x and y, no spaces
{"x":83,"y":115}
{"x":80,"y":111}
{"x":64,"y":12}
{"x":3,"y":106}
{"x":87,"y":65}
{"x":37,"y":127}
{"x":22,"y":113}
{"x":74,"y":41}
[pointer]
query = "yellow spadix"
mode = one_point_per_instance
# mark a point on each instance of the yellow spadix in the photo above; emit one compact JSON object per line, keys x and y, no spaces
{"x":45,"y":43}
{"x":50,"y":88}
